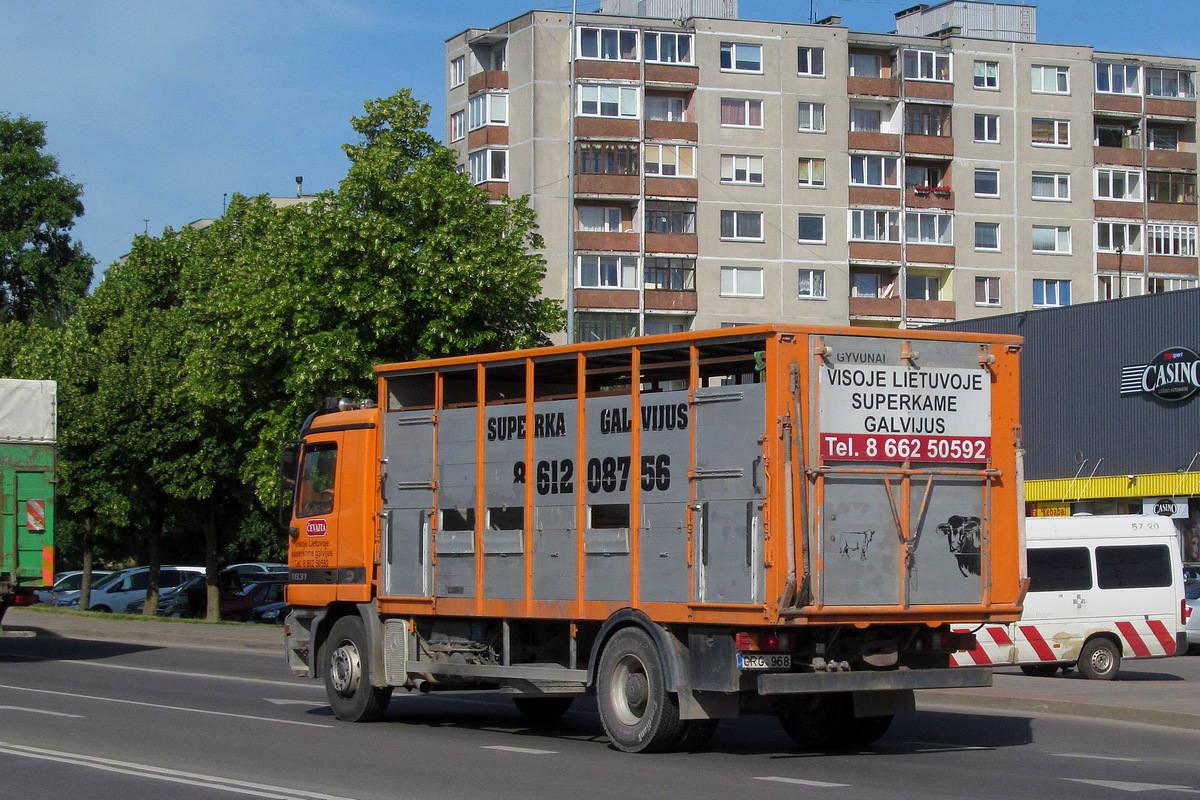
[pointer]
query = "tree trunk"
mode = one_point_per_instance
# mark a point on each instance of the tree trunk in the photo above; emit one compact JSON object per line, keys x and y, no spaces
{"x":85,"y":587}
{"x":212,"y":570}
{"x":153,"y":558}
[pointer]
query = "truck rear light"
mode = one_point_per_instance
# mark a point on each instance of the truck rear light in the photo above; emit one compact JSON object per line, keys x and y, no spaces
{"x":767,"y":642}
{"x":943,"y":641}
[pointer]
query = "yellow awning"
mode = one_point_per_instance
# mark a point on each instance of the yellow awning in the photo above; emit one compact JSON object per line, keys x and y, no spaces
{"x":1160,"y":484}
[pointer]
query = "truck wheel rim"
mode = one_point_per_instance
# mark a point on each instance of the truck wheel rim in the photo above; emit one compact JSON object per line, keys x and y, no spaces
{"x":630,"y":690}
{"x":345,"y":669}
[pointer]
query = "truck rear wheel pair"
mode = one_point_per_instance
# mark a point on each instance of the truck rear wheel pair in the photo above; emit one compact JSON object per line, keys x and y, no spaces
{"x":828,"y":720}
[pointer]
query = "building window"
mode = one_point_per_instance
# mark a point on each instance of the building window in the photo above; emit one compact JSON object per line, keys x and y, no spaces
{"x":987,"y":291}
{"x":1118,"y":79}
{"x":737,"y":57}
{"x":670,"y":274}
{"x":928,"y":228}
{"x":596,"y":100}
{"x":487,"y":109}
{"x":987,"y":75}
{"x":595,"y":327}
{"x":866,"y":120}
{"x":1051,"y":132}
{"x":812,"y":117}
{"x":987,"y":183}
{"x":926,"y":65}
{"x":987,"y":128}
{"x":670,"y":160}
{"x":1170,"y":83}
{"x":1114,"y":236}
{"x":865,"y":65}
{"x":658,"y":324}
{"x":874,"y":171}
{"x":600,"y":219}
{"x":810,"y":61}
{"x":608,"y":44}
{"x":742,"y":169}
{"x":1052,"y":239}
{"x":1051,"y":186}
{"x":812,"y":284}
{"x":871,"y":225}
{"x":742,"y":225}
{"x":663,"y":216}
{"x":458,"y":125}
{"x":812,"y":228}
{"x":1171,"y":240}
{"x":741,"y":282}
{"x":1163,"y":138}
{"x":667,"y":47}
{"x":1160,"y":285}
{"x":987,"y":236}
{"x":1171,"y":187}
{"x":665,"y":107}
{"x":922,"y":120}
{"x":607,"y":158}
{"x":737,"y":113}
{"x":488,"y":165}
{"x":458,"y":72}
{"x":608,"y":272}
{"x":1048,"y":293}
{"x":811,"y":172}
{"x":922,"y":287}
{"x":1118,"y":184}
{"x":1046,"y":79}
{"x":1110,"y":286}
{"x":872,"y":284}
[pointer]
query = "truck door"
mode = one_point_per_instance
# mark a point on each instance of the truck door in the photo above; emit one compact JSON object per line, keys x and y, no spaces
{"x":408,"y":487}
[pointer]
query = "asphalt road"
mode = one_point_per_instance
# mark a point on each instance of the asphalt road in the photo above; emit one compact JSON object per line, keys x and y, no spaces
{"x":137,"y":718}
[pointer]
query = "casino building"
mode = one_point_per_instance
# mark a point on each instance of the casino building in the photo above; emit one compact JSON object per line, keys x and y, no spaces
{"x":1110,"y":406}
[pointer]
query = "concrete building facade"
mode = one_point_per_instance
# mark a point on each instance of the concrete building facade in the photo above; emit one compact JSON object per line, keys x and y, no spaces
{"x":692,"y":170}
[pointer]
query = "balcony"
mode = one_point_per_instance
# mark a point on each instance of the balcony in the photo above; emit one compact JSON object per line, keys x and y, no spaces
{"x":1118,"y":156}
{"x":1174,"y":212}
{"x":1165,"y":107}
{"x":605,"y":69}
{"x":1170,"y":159}
{"x":607,"y":241}
{"x":607,"y":128}
{"x":672,"y":187}
{"x":929,"y":90}
{"x":940,"y":197}
{"x":666,"y":300}
{"x":873,"y":140}
{"x":671,"y":243}
{"x":487,"y":135}
{"x":624,"y":299}
{"x":872,"y":87}
{"x":888,"y":308}
{"x":606,"y":184}
{"x":672,"y":74}
{"x":492,"y":79}
{"x":661,"y":129}
{"x":929,"y":254}
{"x":917,"y":144}
{"x":875,"y":196}
{"x":1118,"y":103}
{"x":875,"y":251}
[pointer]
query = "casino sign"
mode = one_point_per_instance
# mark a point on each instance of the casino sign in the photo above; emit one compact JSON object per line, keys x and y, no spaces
{"x":1173,"y":374}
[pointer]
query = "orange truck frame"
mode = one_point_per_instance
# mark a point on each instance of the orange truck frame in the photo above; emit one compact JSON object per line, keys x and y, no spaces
{"x":778,"y":519}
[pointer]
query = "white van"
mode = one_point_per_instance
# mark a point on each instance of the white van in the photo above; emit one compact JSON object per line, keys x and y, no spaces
{"x":1101,"y":589}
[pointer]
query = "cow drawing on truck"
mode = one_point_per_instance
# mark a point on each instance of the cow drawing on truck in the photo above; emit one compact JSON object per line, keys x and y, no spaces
{"x":689,"y":527}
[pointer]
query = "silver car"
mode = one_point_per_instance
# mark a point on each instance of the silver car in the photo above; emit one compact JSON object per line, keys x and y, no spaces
{"x":1192,"y":612}
{"x":120,"y":589}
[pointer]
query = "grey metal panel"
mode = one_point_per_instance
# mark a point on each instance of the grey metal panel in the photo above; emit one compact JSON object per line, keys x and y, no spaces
{"x":948,"y":540}
{"x":554,"y":556}
{"x":454,"y":572}
{"x":671,"y":9}
{"x":608,"y":423}
{"x":1075,"y":420}
{"x":873,"y":680}
{"x":556,"y":488}
{"x":859,"y":542}
{"x":663,"y":561}
{"x":408,"y":502}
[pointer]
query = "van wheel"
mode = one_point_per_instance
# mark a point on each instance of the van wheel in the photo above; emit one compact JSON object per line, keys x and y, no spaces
{"x":1099,"y":659}
{"x":1040,"y":670}
{"x":638,"y":713}
{"x":347,"y":669}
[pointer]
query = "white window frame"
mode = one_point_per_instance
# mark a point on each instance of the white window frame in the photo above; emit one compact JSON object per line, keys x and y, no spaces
{"x":487,"y":109}
{"x":1049,"y":79}
{"x":1106,"y":71}
{"x":1060,"y":181}
{"x":1060,"y":130}
{"x":811,"y":117}
{"x":1171,"y":239}
{"x":608,"y":219}
{"x":927,"y":65}
{"x":747,"y":106}
{"x":585,"y":52}
{"x":1130,"y":286}
{"x":458,"y":72}
{"x":991,"y":128}
{"x":807,"y":170}
{"x":674,"y":106}
{"x":800,"y":229}
{"x":659,"y":159}
{"x":1108,"y":180}
{"x":458,"y":125}
{"x":594,"y":95}
{"x":736,"y":219}
{"x":995,"y":172}
{"x":987,"y":75}
{"x":874,"y":225}
{"x":923,"y":282}
{"x":1058,"y":285}
{"x":810,"y":62}
{"x":1111,"y":235}
{"x":740,"y":52}
{"x":875,"y":60}
{"x":1159,"y":284}
{"x":482,"y":166}
{"x":1183,"y":80}
{"x":734,"y":278}
{"x":865,"y":170}
{"x":674,"y":58}
{"x":866,"y":120}
{"x":627,"y":271}
{"x":994,"y":226}
{"x":1062,"y":240}
{"x":742,"y":170}
{"x":1157,"y":136}
{"x":991,"y":291}
{"x":816,"y":284}
{"x":916,"y":230}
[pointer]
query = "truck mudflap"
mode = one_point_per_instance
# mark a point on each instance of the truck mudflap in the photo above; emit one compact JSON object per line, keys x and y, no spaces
{"x":778,"y":683}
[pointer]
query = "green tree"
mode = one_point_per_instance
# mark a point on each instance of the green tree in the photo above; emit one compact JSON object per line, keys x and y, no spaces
{"x":43,"y":274}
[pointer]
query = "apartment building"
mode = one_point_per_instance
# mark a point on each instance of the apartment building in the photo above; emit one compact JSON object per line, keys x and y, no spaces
{"x":691,"y":170}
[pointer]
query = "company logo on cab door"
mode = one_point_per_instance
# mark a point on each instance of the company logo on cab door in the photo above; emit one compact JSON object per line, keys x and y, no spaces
{"x":315,"y":527}
{"x":1174,"y":375}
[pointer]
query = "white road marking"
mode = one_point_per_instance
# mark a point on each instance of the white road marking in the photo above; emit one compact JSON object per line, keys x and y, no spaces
{"x":952,"y":745}
{"x":282,"y":702}
{"x":40,"y":711}
{"x":529,"y":751}
{"x":166,"y":707}
{"x":1127,"y":786}
{"x":170,"y":775}
{"x":1098,"y":758}
{"x":802,"y":782}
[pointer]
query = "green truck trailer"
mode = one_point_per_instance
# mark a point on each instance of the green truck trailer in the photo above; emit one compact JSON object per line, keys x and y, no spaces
{"x":27,"y":469}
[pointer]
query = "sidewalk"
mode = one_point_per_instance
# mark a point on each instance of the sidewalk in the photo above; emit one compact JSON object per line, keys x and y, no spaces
{"x":1162,"y":692}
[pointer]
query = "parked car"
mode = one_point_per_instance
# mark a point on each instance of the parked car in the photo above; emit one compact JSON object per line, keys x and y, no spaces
{"x":238,"y":594}
{"x":70,"y":599}
{"x":127,"y":586}
{"x":253,"y":569}
{"x":274,"y":613}
{"x":1192,"y":614}
{"x":70,"y":581}
{"x":1191,"y":572}
{"x":255,"y":595}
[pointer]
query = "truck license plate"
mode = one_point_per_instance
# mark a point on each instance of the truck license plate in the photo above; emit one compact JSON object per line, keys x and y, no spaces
{"x":764,"y":661}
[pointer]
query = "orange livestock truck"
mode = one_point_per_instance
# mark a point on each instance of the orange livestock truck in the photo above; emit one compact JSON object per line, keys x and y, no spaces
{"x":779,"y":519}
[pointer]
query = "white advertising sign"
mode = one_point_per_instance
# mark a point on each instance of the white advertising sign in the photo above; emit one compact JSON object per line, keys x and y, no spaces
{"x":1173,"y":507}
{"x":880,"y":413}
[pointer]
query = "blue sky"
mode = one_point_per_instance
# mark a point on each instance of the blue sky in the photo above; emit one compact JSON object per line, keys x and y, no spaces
{"x":161,"y":109}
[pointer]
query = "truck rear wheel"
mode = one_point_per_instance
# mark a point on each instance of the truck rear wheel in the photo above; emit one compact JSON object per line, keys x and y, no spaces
{"x":540,"y":710}
{"x":348,"y":674}
{"x":1099,"y":660}
{"x":638,"y":713}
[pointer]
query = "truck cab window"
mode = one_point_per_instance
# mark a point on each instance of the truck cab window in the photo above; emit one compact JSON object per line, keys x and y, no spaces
{"x":317,"y":480}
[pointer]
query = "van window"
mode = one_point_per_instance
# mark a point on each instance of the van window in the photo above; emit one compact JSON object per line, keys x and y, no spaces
{"x":1140,"y":566}
{"x":1059,"y":569}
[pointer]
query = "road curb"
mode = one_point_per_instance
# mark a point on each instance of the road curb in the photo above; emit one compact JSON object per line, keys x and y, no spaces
{"x":947,"y":699}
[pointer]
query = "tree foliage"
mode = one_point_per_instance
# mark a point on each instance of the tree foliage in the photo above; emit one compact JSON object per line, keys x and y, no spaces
{"x":43,"y":274}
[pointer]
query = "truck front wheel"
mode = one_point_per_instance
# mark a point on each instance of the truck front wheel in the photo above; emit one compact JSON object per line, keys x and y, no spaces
{"x":348,"y":674}
{"x":638,"y":713}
